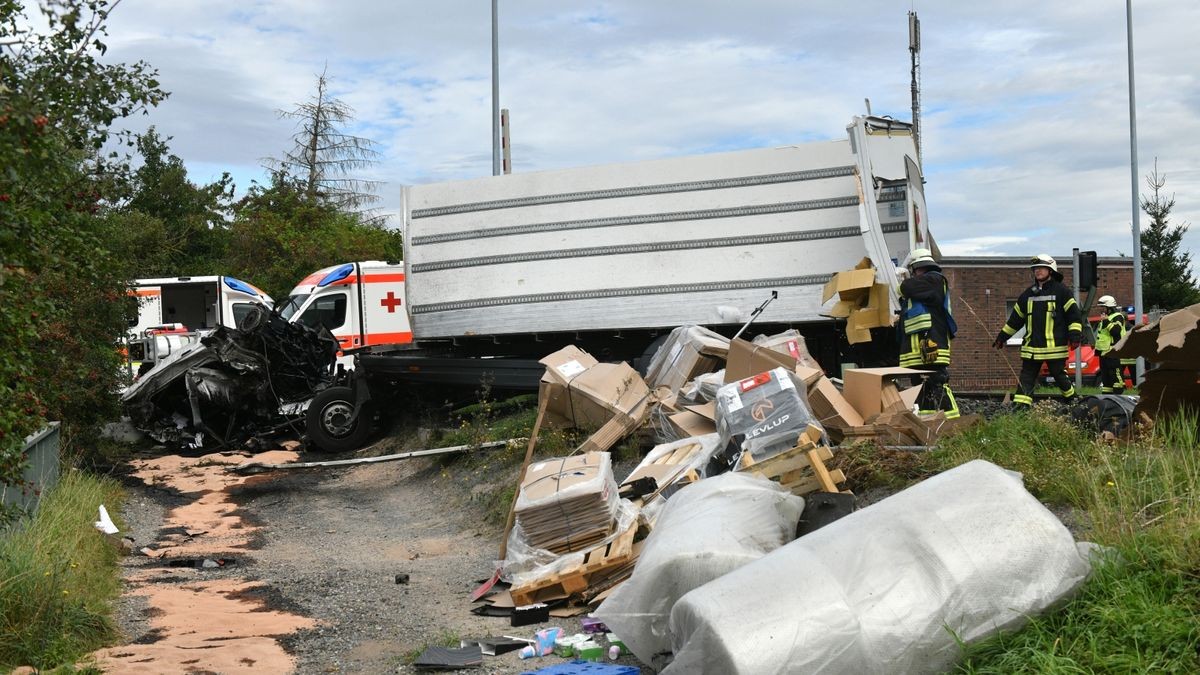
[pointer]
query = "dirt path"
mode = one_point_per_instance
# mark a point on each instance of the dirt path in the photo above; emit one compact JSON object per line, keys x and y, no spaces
{"x":312,"y":586}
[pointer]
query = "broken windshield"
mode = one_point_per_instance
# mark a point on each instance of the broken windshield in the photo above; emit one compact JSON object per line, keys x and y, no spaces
{"x":294,"y":302}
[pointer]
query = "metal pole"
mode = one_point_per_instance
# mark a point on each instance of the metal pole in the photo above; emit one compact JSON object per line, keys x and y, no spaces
{"x":1075,"y":284}
{"x":495,"y":92}
{"x":1133,"y":188}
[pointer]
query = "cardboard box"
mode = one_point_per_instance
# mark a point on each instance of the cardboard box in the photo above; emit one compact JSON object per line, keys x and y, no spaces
{"x":747,"y":360}
{"x":582,"y":393}
{"x":1173,"y":344}
{"x":874,"y":390}
{"x":688,"y":351}
{"x":864,"y":303}
{"x":830,"y":408}
{"x":695,"y":420}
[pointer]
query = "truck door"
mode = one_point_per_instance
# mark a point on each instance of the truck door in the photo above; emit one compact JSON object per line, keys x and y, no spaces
{"x":385,"y":306}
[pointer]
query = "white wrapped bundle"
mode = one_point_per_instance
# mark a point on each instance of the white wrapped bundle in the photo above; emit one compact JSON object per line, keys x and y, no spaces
{"x":887,"y":589}
{"x":704,"y":531}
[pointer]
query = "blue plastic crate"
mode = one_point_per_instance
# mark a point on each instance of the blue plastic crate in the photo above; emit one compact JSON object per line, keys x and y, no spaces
{"x":585,"y":668}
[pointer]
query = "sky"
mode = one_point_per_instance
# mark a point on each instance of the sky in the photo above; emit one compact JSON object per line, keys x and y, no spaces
{"x":1025,"y":108}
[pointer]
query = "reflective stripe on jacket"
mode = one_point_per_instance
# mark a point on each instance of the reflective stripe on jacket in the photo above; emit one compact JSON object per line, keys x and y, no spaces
{"x":1050,"y":316}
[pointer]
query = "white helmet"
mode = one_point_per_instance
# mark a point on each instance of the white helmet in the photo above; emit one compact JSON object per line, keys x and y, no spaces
{"x":1043,"y":260}
{"x":1108,"y":301}
{"x":921,"y":257}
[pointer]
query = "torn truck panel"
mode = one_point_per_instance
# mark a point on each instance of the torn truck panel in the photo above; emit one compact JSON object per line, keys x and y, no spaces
{"x":234,"y":385}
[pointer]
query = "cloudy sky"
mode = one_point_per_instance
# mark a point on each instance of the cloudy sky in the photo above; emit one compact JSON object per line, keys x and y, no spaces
{"x":1026,"y":125}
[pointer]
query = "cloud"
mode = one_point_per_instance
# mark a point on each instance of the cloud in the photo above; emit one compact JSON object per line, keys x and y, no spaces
{"x":1025,"y":137}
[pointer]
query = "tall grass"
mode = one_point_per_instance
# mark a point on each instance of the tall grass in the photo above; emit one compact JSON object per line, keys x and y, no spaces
{"x":1140,"y":610}
{"x":58,"y":576}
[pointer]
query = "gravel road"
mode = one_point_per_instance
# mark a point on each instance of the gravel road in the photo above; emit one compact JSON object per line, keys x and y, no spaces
{"x":329,"y":545}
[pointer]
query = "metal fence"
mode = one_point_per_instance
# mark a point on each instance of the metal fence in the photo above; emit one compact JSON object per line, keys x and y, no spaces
{"x":41,"y":472}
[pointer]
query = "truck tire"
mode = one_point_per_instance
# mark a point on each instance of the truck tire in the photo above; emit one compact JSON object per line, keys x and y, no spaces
{"x":328,"y":421}
{"x":643,"y":363}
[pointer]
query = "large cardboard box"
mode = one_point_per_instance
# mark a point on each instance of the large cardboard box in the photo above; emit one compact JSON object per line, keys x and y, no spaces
{"x":688,"y":351}
{"x":831,"y":408}
{"x":875,"y":390}
{"x":747,"y":360}
{"x":582,"y":393}
{"x":1173,"y":344}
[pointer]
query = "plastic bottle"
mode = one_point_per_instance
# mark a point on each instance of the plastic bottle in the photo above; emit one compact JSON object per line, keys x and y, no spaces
{"x":614,"y":653}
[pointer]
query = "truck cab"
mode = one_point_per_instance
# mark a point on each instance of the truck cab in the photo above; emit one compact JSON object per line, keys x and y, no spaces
{"x":361,"y":303}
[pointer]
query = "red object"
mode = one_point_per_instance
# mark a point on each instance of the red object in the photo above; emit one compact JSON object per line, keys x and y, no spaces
{"x":391,"y":302}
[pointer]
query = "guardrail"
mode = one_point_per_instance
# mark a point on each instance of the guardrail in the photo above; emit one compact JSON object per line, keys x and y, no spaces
{"x":41,"y":472}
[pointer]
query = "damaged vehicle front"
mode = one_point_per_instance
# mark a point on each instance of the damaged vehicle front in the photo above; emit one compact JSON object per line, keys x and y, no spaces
{"x":235,"y":385}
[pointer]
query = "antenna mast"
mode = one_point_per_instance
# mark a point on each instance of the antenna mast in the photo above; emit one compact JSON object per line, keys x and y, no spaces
{"x":914,"y":50}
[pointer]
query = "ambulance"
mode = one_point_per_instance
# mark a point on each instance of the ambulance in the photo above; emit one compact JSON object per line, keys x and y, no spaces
{"x":173,"y":312}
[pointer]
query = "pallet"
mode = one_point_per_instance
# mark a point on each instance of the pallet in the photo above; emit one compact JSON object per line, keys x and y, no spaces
{"x":598,"y":563}
{"x":801,"y":469}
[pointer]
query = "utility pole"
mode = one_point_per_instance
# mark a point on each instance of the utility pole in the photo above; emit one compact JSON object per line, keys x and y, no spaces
{"x":914,"y":50}
{"x":495,"y":92}
{"x":1133,"y":186}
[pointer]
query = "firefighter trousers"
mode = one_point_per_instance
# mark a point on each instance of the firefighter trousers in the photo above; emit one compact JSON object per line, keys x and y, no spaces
{"x":1112,"y":379}
{"x":935,"y":393}
{"x":1030,"y":368}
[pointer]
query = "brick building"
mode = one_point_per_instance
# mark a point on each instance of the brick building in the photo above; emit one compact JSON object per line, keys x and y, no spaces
{"x":983,"y":289}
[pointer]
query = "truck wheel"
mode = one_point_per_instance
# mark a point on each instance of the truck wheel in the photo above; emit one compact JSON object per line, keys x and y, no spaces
{"x":643,"y":363}
{"x":328,"y":421}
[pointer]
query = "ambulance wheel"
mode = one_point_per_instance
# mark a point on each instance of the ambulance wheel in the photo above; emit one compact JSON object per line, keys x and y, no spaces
{"x":328,"y":421}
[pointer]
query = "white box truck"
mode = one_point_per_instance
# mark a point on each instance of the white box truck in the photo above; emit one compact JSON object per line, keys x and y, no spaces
{"x":502,"y":270}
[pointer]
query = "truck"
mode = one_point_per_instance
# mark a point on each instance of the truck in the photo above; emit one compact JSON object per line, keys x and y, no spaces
{"x":502,"y":270}
{"x":173,"y":311}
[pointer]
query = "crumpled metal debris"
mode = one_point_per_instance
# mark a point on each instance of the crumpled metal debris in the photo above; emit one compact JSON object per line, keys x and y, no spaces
{"x":233,"y":385}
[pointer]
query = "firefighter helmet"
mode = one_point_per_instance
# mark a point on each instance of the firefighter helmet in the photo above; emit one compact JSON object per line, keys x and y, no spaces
{"x":1108,"y":301}
{"x":921,"y":257}
{"x":1043,"y":260}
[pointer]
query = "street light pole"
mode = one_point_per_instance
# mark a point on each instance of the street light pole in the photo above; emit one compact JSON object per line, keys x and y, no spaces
{"x":495,"y":92}
{"x":1133,"y":187}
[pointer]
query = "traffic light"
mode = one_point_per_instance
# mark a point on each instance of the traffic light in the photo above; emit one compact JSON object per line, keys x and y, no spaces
{"x":1089,"y":275}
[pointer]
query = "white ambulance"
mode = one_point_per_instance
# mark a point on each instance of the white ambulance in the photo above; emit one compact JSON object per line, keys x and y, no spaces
{"x":175,"y":311}
{"x":361,"y":303}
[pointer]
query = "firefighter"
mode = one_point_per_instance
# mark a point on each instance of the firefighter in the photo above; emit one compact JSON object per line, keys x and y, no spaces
{"x":1108,"y":334}
{"x":926,"y":329}
{"x":1052,"y":323}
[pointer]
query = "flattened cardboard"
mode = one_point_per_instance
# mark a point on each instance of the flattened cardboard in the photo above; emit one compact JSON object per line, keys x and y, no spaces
{"x":747,"y":360}
{"x":872,"y":391}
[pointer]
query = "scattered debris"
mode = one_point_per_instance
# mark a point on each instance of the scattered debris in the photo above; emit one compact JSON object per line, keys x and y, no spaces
{"x":495,"y":646}
{"x":1172,"y":346}
{"x":234,"y":384}
{"x":446,"y":658}
{"x":401,"y":579}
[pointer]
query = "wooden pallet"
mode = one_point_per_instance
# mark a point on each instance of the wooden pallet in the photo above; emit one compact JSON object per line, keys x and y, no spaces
{"x":597,"y":564}
{"x":801,"y":469}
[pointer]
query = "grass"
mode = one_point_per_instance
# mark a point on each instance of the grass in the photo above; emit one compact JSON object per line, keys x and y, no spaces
{"x":1139,"y":611}
{"x":58,"y":576}
{"x":447,"y":638}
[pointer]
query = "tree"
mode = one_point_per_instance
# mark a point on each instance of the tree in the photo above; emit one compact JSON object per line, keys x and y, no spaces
{"x":1166,"y":270}
{"x":61,"y":285}
{"x":168,"y":224}
{"x":278,"y":236}
{"x":323,"y":156}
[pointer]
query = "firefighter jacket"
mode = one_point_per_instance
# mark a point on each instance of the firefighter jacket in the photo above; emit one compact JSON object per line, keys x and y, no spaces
{"x":926,"y":323}
{"x":1050,"y":317}
{"x":1110,"y":331}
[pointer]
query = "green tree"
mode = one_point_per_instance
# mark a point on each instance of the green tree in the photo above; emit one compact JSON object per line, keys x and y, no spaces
{"x":279,"y":236}
{"x":61,"y":286}
{"x":168,"y":224}
{"x":1166,"y":270}
{"x":323,"y":156}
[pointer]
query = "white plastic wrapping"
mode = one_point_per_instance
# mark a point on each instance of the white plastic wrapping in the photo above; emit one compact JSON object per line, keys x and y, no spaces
{"x":889,"y":588}
{"x":703,"y":388}
{"x":687,"y":352}
{"x":524,"y":563}
{"x":789,"y":342}
{"x":706,"y":530}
